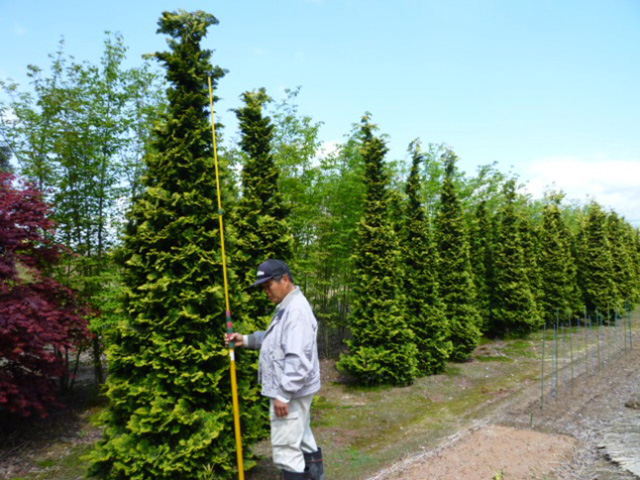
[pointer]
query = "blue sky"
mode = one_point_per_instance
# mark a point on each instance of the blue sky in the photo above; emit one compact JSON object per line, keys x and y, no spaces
{"x":548,"y":89}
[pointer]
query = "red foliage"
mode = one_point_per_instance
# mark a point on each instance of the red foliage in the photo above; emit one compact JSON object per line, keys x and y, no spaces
{"x":38,"y":315}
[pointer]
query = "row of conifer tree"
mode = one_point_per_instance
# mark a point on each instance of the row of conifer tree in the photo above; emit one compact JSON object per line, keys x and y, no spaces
{"x":405,"y":270}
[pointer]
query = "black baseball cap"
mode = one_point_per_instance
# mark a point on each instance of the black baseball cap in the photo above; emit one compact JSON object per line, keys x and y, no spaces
{"x":269,"y":269}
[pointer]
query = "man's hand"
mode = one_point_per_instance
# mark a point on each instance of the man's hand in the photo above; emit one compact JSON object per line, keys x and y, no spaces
{"x":237,"y":338}
{"x":281,"y":408}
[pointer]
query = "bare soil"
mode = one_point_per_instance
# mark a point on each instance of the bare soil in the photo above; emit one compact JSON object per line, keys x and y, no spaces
{"x":568,"y":438}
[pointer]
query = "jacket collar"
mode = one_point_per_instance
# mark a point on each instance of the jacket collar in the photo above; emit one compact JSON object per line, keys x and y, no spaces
{"x":281,"y":306}
{"x":287,"y":300}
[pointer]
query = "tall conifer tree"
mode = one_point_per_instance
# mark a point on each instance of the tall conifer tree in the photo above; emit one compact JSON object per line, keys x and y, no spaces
{"x":455,"y":277}
{"x":556,"y":261}
{"x":425,"y":310}
{"x":260,"y":218}
{"x":621,"y":244}
{"x":514,"y":303}
{"x":596,"y":264}
{"x":481,"y":261}
{"x":381,"y":350}
{"x":170,"y":414}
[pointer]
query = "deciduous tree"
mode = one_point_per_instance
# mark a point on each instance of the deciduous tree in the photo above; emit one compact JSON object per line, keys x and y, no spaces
{"x":40,"y":319}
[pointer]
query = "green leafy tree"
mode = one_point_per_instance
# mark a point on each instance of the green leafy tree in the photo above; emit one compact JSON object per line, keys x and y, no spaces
{"x":557,"y":264}
{"x":296,"y":147}
{"x":455,"y":277}
{"x":78,"y":135}
{"x":514,"y":303}
{"x":260,"y":218}
{"x":339,"y":195}
{"x":596,"y":270}
{"x":425,"y":310}
{"x":381,"y":350}
{"x":170,"y":412}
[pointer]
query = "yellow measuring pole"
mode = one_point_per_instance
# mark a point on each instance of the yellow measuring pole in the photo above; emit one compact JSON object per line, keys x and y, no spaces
{"x":234,"y":383}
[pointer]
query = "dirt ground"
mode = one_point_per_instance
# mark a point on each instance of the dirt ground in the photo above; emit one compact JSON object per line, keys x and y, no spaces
{"x":565,"y":440}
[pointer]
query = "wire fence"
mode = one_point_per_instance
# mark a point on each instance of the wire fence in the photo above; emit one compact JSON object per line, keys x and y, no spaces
{"x":579,"y":347}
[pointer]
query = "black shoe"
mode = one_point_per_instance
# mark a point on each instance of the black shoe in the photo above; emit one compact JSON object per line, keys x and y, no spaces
{"x":295,"y":475}
{"x":313,"y":464}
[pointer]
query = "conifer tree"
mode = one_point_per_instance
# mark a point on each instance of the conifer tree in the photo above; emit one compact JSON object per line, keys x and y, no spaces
{"x":529,"y":240}
{"x":596,"y":264}
{"x":557,"y":266}
{"x":482,"y":261}
{"x":425,"y":310}
{"x":514,"y":303}
{"x":260,"y":218}
{"x":170,"y":412}
{"x":635,"y":236}
{"x":381,"y":350}
{"x":621,"y":244}
{"x":454,"y":274}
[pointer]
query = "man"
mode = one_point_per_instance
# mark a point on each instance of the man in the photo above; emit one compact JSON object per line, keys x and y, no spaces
{"x":289,"y":372}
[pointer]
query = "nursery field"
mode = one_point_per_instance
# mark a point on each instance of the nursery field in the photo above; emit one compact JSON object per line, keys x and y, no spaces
{"x":479,"y":420}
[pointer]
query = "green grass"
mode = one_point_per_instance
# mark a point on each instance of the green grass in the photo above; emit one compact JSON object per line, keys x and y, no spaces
{"x":495,"y":358}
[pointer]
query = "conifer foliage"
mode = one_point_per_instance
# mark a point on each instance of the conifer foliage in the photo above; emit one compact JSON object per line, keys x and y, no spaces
{"x":39,"y":317}
{"x":382,"y":349}
{"x":514,"y":303}
{"x":454,"y":275}
{"x":424,"y":308}
{"x":596,"y":264}
{"x":622,"y":259}
{"x":260,"y":217}
{"x":482,"y":261}
{"x":557,"y":265}
{"x":170,"y":411}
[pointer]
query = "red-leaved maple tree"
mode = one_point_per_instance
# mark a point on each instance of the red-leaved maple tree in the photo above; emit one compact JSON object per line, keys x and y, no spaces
{"x":39,"y":317}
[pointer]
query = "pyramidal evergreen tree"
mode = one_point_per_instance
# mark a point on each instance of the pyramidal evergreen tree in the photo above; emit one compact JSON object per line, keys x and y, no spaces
{"x":514,"y":310}
{"x":596,"y":264}
{"x":169,"y":413}
{"x":635,"y":255}
{"x":529,"y":239}
{"x":260,"y":217}
{"x":382,"y":349}
{"x":424,"y":308}
{"x":557,"y":265}
{"x":455,"y":277}
{"x":482,"y":261}
{"x":621,"y":244}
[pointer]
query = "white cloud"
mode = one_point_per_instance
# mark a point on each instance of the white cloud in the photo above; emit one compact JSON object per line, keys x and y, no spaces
{"x":613,"y":183}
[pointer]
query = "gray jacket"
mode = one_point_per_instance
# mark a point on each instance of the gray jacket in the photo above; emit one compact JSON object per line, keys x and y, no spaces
{"x":289,"y":365}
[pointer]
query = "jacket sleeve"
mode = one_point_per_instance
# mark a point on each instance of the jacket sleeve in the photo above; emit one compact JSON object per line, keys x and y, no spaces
{"x":254,"y":340}
{"x":298,"y":345}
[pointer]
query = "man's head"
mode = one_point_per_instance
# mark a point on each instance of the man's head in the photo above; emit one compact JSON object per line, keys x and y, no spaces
{"x":275,"y":278}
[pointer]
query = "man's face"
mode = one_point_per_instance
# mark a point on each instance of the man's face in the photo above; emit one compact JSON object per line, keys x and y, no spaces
{"x":276,"y":291}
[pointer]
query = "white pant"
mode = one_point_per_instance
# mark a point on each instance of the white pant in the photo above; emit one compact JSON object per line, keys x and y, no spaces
{"x":291,"y":435}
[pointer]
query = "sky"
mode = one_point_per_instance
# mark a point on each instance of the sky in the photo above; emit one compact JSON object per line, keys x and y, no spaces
{"x":547,"y":89}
